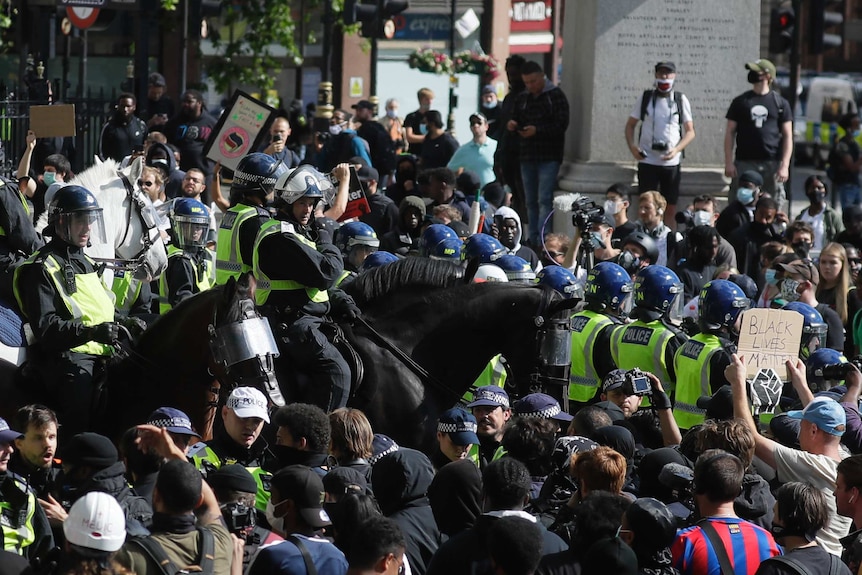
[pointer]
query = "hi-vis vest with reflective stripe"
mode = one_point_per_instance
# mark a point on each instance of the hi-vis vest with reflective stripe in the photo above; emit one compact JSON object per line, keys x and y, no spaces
{"x":203,"y":281}
{"x":583,"y":379}
{"x":127,"y":289}
{"x":91,"y":304}
{"x":691,"y":364}
{"x":643,"y":345}
{"x":206,"y":460}
{"x":4,"y":232}
{"x":473,"y":455}
{"x":229,"y":262}
{"x":18,"y":532}
{"x":494,"y":374}
{"x":266,"y":285}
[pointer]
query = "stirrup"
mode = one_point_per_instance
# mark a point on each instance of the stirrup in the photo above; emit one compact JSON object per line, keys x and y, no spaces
{"x":274,"y":393}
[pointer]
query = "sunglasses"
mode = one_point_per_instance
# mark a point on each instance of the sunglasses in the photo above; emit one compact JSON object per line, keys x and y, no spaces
{"x":147,"y":184}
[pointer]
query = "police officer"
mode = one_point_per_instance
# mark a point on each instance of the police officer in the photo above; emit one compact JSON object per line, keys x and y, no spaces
{"x":18,"y":237}
{"x":24,"y":527}
{"x":190,"y":269}
{"x":69,"y":309}
{"x":814,"y":329}
{"x":297,"y":266}
{"x":238,"y":441}
{"x":253,"y":183}
{"x":560,"y":279}
{"x":700,"y":362}
{"x":651,"y":341}
{"x":608,"y":295}
{"x":490,"y":407}
{"x":356,"y":240}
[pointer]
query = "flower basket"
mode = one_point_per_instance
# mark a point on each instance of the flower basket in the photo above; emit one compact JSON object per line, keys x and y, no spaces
{"x":427,"y":60}
{"x":466,"y":62}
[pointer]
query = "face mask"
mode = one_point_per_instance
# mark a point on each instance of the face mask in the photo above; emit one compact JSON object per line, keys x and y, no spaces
{"x":745,"y":196}
{"x":788,"y":290}
{"x":629,"y":262}
{"x":49,"y":178}
{"x":664,"y":85}
{"x":489,"y":105}
{"x":597,"y":240}
{"x":275,"y":523}
{"x":801,"y":248}
{"x":336,"y":129}
{"x":753,"y":77}
{"x":610,"y":207}
{"x":770,"y":277}
{"x":702,"y":218}
{"x":423,"y":129}
{"x":817,"y":197}
{"x":392,"y":113}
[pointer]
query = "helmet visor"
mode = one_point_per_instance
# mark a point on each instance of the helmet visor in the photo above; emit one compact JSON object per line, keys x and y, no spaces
{"x":625,"y":306}
{"x":83,"y":228}
{"x":305,"y":181}
{"x":677,"y":307}
{"x":813,"y":338}
{"x":190,"y":232}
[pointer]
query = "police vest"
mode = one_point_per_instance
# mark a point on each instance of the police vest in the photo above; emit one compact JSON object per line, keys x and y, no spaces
{"x":17,"y":523}
{"x":264,"y":283}
{"x":643,"y":345}
{"x":473,"y":454}
{"x":583,"y":379}
{"x":692,"y":378}
{"x":207,"y":461}
{"x":494,"y":374}
{"x":203,"y":277}
{"x":3,"y":231}
{"x":126,"y":289}
{"x":344,"y":275}
{"x":91,"y":304}
{"x":229,"y":262}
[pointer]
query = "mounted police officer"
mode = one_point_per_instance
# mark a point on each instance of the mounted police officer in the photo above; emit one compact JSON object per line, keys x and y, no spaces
{"x":190,"y":269}
{"x":69,"y":309}
{"x":297,"y":266}
{"x":651,"y":341}
{"x":700,"y":362}
{"x":239,"y":441}
{"x":253,"y":182}
{"x":608,"y":295}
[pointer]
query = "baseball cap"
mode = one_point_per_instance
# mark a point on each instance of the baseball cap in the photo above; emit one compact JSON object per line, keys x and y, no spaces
{"x":8,"y":435}
{"x":752,"y":177}
{"x":603,"y":219}
{"x":468,"y":182}
{"x":367,"y":173}
{"x":540,"y":405}
{"x":763,"y":65}
{"x":233,"y":476}
{"x":248,"y":402}
{"x":613,"y":380}
{"x":719,"y":405}
{"x":363,"y":104}
{"x":156,"y":79}
{"x":488,"y":89}
{"x":477,"y":116}
{"x":344,"y":480}
{"x":459,"y":425}
{"x":804,"y":268}
{"x":305,"y":488}
{"x":670,"y":66}
{"x":92,"y":449}
{"x":173,"y":420}
{"x":824,"y":412}
{"x":490,"y":396}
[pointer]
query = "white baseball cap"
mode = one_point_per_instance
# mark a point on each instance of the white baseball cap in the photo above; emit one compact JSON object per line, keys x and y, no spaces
{"x":248,"y":402}
{"x":96,"y":521}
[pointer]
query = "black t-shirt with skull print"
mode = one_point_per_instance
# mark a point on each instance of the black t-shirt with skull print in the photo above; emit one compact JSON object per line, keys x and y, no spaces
{"x":758,"y":125}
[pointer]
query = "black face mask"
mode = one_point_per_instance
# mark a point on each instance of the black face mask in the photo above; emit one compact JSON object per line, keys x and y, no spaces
{"x":753,"y":77}
{"x":287,"y":455}
{"x":801,"y":249}
{"x":779,"y":531}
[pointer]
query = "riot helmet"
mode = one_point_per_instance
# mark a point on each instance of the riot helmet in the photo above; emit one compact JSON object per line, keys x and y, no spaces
{"x":490,"y":273}
{"x":719,"y":305}
{"x":76,"y":218}
{"x":658,"y":293}
{"x":560,"y":279}
{"x":517,"y":268}
{"x":814,"y":329}
{"x":377,"y":259}
{"x":190,"y":220}
{"x":256,"y":175}
{"x":447,"y":249}
{"x":487,"y":248}
{"x":610,"y":287}
{"x":303,"y":182}
{"x":432,"y":235}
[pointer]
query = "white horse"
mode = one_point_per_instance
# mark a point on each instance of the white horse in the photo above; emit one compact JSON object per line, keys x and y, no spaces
{"x":131,"y":228}
{"x":131,"y":222}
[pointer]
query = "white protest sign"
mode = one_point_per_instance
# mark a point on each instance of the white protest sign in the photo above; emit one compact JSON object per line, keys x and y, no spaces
{"x":768,"y":338}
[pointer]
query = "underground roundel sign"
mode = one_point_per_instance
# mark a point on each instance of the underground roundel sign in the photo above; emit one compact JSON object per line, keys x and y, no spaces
{"x":82,"y":17}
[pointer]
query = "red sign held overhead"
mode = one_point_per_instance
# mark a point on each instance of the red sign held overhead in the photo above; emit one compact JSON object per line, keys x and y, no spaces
{"x":81,"y":17}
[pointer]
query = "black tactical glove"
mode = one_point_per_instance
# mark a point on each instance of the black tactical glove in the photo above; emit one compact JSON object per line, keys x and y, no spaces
{"x":344,"y":307}
{"x":135,"y":325}
{"x":659,"y":399}
{"x":106,"y":332}
{"x":323,"y":235}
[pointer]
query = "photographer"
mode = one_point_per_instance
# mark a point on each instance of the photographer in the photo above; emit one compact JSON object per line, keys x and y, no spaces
{"x":591,"y":243}
{"x":653,"y":426}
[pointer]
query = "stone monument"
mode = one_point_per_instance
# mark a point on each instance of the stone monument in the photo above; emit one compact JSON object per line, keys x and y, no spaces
{"x":611,"y":48}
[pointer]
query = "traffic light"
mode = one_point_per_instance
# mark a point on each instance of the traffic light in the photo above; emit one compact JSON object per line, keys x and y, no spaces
{"x":825,"y":15}
{"x":374,"y":15}
{"x":781,"y":25}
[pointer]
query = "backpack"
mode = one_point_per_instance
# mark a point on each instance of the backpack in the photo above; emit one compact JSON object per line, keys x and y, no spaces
{"x":204,"y":566}
{"x":800,"y":569}
{"x":648,"y":96}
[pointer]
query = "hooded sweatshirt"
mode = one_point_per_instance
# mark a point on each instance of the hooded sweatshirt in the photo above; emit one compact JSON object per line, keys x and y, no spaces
{"x":174,"y":181}
{"x":519,"y":250}
{"x":399,"y":240}
{"x":112,"y":480}
{"x":400,"y":482}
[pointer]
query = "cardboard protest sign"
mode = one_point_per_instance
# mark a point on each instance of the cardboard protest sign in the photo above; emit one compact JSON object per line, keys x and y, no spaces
{"x":768,"y":338}
{"x":53,"y":121}
{"x":239,"y":130}
{"x":357,"y":201}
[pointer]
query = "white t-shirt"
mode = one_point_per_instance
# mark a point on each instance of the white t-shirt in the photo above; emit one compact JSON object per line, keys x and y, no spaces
{"x":816,"y":223}
{"x":661,"y":123}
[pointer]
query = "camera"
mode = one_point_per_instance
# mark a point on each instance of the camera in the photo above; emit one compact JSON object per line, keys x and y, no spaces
{"x":838,"y":371}
{"x":240,"y":518}
{"x":636,"y":383}
{"x":685,"y":217}
{"x":660,"y":146}
{"x":584,"y":210}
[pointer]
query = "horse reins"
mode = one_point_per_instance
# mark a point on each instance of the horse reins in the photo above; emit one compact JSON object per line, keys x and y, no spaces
{"x":411,"y":363}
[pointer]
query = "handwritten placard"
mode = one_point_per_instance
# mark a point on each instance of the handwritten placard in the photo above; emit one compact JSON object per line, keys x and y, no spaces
{"x":768,"y":338}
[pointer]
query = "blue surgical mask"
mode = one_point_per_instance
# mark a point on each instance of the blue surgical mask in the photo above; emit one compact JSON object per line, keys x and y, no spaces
{"x":489,"y":105}
{"x":745,"y":195}
{"x":392,"y":113}
{"x":49,"y":178}
{"x":423,"y":129}
{"x":770,"y":277}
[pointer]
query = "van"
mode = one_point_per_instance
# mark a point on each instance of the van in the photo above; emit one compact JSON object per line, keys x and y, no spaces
{"x":829,"y":98}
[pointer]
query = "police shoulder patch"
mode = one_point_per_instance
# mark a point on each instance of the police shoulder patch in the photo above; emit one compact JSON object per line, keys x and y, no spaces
{"x":579,"y":323}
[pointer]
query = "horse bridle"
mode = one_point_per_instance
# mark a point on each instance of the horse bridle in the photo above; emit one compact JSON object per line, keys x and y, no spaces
{"x":139,"y":259}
